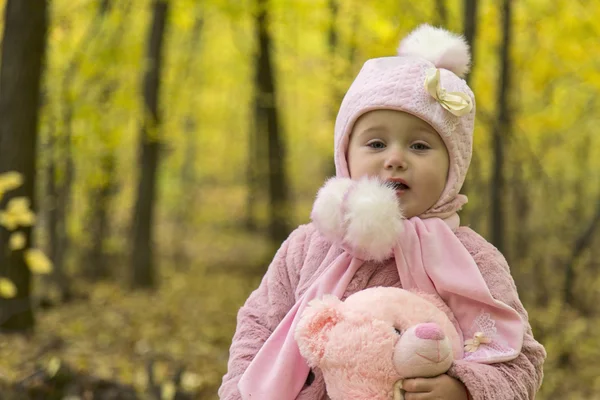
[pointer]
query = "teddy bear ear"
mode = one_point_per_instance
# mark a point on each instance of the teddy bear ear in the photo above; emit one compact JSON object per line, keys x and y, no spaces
{"x":312,"y":331}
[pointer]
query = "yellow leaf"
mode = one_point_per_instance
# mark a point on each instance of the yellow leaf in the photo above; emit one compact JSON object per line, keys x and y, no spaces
{"x":103,"y":371}
{"x":7,"y":289}
{"x":161,"y":371}
{"x":9,"y":181}
{"x":53,"y":366}
{"x":37,"y":262}
{"x":190,"y":382}
{"x":17,"y":241}
{"x":140,"y":379}
{"x":17,"y":214}
{"x":8,"y":221}
{"x":168,"y":391}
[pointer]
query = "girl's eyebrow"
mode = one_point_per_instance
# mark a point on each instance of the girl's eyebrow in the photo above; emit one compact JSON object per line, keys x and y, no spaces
{"x":420,"y":127}
{"x":428,"y":130}
{"x":423,"y":126}
{"x":373,"y":129}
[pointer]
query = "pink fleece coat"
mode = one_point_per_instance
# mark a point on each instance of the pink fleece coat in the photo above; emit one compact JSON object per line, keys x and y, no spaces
{"x":304,"y":255}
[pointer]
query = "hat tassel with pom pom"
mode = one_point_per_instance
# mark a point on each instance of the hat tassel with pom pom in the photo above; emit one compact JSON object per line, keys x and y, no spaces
{"x":364,"y":217}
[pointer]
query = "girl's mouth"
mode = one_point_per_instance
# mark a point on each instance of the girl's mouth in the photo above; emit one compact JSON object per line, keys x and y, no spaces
{"x":397,"y":185}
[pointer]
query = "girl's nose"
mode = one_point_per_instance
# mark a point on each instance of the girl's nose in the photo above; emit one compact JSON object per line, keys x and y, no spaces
{"x":395,"y":159}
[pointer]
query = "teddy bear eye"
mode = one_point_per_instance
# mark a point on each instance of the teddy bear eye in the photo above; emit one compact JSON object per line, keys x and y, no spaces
{"x":398,"y":331}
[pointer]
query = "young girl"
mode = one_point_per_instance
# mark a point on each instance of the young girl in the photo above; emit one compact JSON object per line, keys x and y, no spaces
{"x":405,"y":127}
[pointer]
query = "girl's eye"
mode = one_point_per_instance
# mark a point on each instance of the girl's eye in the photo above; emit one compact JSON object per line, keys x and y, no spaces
{"x":398,"y":331}
{"x":376,"y":144}
{"x":420,"y":146}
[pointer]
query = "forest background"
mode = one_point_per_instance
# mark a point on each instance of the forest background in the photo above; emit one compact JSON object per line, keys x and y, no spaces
{"x":154,"y":154}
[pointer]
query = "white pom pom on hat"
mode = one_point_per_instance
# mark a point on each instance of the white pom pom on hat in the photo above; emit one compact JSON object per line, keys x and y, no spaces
{"x":327,"y":210}
{"x":363,"y":216}
{"x":441,"y":47}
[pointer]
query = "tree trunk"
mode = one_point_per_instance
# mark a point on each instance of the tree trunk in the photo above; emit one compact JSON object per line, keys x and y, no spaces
{"x":333,"y":33}
{"x":52,"y":197}
{"x":96,"y":264}
{"x":255,"y":162}
{"x":579,"y":217}
{"x":338,"y":74}
{"x":142,"y":254}
{"x":518,"y":250}
{"x":268,"y":119}
{"x":501,"y":130}
{"x":252,"y":179}
{"x":187,"y":195}
{"x":470,"y":29}
{"x":521,"y":208}
{"x":474,"y":214}
{"x":59,"y":241}
{"x":96,"y":267}
{"x":56,"y":231}
{"x":187,"y":179}
{"x":442,"y":12}
{"x":23,"y":52}
{"x":336,"y":93}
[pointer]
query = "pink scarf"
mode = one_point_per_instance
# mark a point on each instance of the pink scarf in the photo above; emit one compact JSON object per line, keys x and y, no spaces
{"x":430,"y":258}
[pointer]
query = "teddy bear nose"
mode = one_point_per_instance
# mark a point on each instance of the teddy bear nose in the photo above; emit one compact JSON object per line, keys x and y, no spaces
{"x":429,"y":331}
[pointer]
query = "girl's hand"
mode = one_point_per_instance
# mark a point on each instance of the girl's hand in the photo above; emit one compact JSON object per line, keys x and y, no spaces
{"x":442,"y":387}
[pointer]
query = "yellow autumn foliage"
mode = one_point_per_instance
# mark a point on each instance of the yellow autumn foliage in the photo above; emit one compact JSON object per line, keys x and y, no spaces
{"x":7,"y":288}
{"x":17,"y":241}
{"x":37,"y":261}
{"x":17,"y":213}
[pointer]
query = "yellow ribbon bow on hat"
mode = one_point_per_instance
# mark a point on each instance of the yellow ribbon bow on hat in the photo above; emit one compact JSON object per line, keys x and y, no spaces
{"x":457,"y":103}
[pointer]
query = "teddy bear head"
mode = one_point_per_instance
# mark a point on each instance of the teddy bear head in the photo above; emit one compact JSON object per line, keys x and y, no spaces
{"x":375,"y":338}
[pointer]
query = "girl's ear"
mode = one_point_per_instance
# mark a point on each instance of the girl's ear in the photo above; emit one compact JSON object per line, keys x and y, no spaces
{"x":312,"y":331}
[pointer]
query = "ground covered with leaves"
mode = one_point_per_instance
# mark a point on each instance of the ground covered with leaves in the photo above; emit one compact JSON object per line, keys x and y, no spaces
{"x":112,"y":343}
{"x":172,"y":344}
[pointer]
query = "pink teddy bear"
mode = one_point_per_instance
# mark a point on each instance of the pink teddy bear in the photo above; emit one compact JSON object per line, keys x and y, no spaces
{"x":366,"y":345}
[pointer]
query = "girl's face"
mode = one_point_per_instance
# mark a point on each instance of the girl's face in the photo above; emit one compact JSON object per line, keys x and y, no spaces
{"x":402,"y":149}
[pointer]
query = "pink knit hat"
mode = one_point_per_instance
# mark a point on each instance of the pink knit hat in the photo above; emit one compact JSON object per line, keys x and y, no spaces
{"x":424,"y":80}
